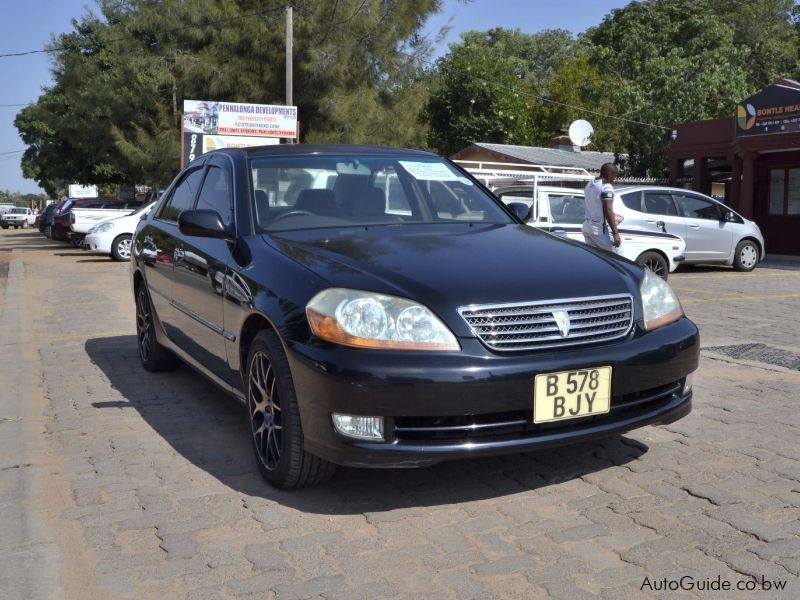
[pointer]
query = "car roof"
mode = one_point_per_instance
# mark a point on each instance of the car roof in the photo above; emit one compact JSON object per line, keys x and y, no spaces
{"x":322,"y":149}
{"x":660,"y":188}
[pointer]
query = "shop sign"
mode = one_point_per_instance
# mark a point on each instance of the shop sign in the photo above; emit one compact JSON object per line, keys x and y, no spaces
{"x":775,"y":109}
{"x":82,"y":191}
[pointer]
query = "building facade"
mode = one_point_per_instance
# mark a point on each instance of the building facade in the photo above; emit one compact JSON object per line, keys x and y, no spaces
{"x":753,"y":159}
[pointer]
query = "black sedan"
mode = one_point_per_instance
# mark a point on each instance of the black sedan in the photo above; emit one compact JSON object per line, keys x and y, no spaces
{"x":378,"y":307}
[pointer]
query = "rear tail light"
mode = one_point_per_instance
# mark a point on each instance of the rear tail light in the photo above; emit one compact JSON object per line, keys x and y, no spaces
{"x":72,"y":218}
{"x":618,"y":218}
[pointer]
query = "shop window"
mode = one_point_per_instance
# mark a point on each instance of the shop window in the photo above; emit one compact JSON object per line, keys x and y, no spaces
{"x":777,"y":190}
{"x":784,"y":192}
{"x":793,"y":192}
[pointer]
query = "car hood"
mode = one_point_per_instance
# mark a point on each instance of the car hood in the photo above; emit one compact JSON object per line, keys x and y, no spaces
{"x":453,"y":265}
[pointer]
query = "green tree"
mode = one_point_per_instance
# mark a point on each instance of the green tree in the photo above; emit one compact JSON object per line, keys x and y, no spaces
{"x":485,"y":89}
{"x":666,"y":62}
{"x":112,"y":114}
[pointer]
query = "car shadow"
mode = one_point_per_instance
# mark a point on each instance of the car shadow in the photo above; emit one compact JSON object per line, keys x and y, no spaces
{"x":209,"y":429}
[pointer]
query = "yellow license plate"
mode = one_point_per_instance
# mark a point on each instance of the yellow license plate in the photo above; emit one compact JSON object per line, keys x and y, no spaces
{"x":571,"y":394}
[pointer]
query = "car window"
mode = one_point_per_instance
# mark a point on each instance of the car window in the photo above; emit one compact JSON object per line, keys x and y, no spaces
{"x":566,"y":208}
{"x":337,"y":191}
{"x":632,"y":200}
{"x":659,"y":203}
{"x":183,"y":197}
{"x":698,"y":208}
{"x":216,"y":194}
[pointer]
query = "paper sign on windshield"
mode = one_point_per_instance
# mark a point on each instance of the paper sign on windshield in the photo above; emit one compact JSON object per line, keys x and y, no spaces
{"x":427,"y":171}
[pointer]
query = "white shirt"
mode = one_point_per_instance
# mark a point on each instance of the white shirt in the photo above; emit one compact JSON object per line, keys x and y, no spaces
{"x":594,"y":194}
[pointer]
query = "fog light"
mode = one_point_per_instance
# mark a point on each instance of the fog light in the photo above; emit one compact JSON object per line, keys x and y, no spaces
{"x":687,"y":385}
{"x":362,"y":428}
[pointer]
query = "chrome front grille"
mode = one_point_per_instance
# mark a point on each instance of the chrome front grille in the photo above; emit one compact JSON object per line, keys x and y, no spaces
{"x":534,"y":325}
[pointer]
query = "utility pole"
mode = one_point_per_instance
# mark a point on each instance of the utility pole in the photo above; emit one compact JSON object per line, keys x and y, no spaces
{"x":289,"y":28}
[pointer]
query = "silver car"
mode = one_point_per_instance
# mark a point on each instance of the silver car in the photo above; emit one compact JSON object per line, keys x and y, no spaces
{"x":713,"y":232}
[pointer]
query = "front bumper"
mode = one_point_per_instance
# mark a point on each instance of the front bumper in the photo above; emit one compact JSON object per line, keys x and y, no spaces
{"x":97,"y":243}
{"x":477,"y":403}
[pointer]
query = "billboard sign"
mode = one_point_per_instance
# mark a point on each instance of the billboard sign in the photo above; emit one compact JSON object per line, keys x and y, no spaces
{"x":208,"y":125}
{"x":82,"y":191}
{"x":775,"y":109}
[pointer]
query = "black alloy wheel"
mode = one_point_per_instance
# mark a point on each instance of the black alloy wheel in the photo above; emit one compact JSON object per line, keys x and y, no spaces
{"x":655,"y":263}
{"x":265,"y":411}
{"x":153,"y":355}
{"x":274,"y":417}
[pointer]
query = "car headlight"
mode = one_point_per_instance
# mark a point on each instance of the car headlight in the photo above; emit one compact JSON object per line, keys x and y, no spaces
{"x":661,"y":305}
{"x":101,"y":228}
{"x":369,"y":320}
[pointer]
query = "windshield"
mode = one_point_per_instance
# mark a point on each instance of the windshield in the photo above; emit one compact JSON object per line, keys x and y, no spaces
{"x":142,"y":210}
{"x":306,"y":192}
{"x":17,"y":211}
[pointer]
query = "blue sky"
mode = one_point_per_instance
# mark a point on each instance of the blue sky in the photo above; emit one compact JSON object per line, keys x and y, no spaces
{"x":28,"y":25}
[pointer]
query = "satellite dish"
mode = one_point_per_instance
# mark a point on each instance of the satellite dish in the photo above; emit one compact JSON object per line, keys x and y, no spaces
{"x":580,"y":132}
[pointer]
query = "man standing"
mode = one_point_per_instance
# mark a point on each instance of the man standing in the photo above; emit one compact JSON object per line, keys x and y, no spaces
{"x":600,"y":229}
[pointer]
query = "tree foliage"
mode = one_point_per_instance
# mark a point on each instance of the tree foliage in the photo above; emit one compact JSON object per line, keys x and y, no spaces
{"x":112,"y":114}
{"x":647,"y":66}
{"x":486,"y":88}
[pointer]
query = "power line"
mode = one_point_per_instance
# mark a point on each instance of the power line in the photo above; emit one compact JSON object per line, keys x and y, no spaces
{"x":515,"y":89}
{"x":7,"y":105}
{"x":205,"y":25}
{"x":11,"y":152}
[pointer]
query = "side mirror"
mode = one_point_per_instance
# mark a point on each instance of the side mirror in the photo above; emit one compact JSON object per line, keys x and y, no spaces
{"x":203,"y":223}
{"x":520,"y":209}
{"x":730,"y":217}
{"x":662,"y":226}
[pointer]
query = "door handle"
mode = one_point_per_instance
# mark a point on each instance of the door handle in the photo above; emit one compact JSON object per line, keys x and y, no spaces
{"x":694,"y":225}
{"x":650,"y":221}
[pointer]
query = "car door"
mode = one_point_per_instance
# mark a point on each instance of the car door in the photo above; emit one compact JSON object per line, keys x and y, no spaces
{"x":199,"y":278}
{"x":160,"y":241}
{"x":708,"y":236}
{"x":660,"y":207}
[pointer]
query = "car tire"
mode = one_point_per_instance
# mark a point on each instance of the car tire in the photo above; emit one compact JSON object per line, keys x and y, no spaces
{"x":655,"y":263}
{"x":746,"y":257}
{"x":121,"y":248}
{"x":153,"y":355}
{"x":4,"y":226}
{"x":274,"y":419}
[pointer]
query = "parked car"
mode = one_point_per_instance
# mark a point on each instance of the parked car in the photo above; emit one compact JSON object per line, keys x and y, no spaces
{"x":113,"y":237}
{"x":562,"y":211}
{"x":17,"y":217}
{"x":46,"y":219}
{"x":62,"y":220}
{"x":364,"y":337}
{"x":713,"y":232}
{"x":82,"y":219}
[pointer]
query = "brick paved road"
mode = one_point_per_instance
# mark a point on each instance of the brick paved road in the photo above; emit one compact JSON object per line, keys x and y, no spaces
{"x":118,"y":483}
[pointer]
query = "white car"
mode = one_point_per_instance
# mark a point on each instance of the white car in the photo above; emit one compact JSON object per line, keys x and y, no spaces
{"x":561,"y":211}
{"x":113,"y":237}
{"x":713,"y":232}
{"x":18,"y":217}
